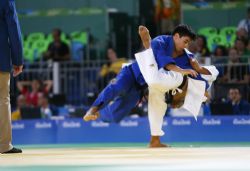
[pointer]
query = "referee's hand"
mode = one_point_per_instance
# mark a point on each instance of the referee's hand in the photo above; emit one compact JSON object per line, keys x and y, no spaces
{"x":17,"y":70}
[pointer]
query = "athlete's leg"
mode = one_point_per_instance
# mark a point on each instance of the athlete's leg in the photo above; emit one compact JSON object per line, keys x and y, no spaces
{"x":123,"y":82}
{"x":159,"y":82}
{"x":120,"y":107}
{"x":156,"y":111}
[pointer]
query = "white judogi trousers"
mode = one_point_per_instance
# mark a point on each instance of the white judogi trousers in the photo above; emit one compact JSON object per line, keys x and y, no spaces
{"x":161,"y":81}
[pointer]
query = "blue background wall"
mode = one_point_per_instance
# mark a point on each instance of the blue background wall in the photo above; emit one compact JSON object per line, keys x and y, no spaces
{"x":206,"y":129}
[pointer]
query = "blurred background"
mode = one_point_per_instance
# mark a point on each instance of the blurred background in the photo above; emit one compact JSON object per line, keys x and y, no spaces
{"x":73,"y":48}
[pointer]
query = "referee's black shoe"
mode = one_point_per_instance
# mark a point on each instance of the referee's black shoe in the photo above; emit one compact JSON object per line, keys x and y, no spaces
{"x":13,"y":150}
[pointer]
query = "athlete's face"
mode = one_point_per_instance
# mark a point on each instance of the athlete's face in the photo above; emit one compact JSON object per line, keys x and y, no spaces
{"x":181,"y":42}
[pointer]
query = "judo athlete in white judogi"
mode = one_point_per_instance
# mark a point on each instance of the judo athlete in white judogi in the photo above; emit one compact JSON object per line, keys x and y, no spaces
{"x":161,"y":81}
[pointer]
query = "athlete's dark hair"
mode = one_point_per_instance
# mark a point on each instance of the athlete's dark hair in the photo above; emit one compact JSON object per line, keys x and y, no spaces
{"x":184,"y":30}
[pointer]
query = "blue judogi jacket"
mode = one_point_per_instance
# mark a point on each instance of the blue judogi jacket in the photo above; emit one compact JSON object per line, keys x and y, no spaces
{"x":162,"y":52}
{"x":11,"y":49}
{"x":163,"y":47}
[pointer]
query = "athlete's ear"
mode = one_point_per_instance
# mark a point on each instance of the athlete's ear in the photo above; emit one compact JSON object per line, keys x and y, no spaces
{"x":176,"y":36}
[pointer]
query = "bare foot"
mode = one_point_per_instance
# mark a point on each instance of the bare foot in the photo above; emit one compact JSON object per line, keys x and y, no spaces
{"x":92,"y":114}
{"x":145,"y":36}
{"x":156,"y":143}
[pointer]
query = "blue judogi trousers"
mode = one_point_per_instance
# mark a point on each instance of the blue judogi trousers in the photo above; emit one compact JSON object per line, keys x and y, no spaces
{"x":124,"y":93}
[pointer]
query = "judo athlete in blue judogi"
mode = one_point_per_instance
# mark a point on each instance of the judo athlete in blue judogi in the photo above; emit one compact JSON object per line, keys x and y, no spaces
{"x":120,"y":96}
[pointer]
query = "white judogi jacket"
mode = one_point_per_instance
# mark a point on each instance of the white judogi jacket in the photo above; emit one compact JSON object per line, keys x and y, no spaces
{"x":161,"y":81}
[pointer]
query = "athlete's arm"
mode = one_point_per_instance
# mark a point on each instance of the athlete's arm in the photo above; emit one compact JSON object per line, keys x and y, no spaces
{"x":173,"y":67}
{"x":196,"y":66}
